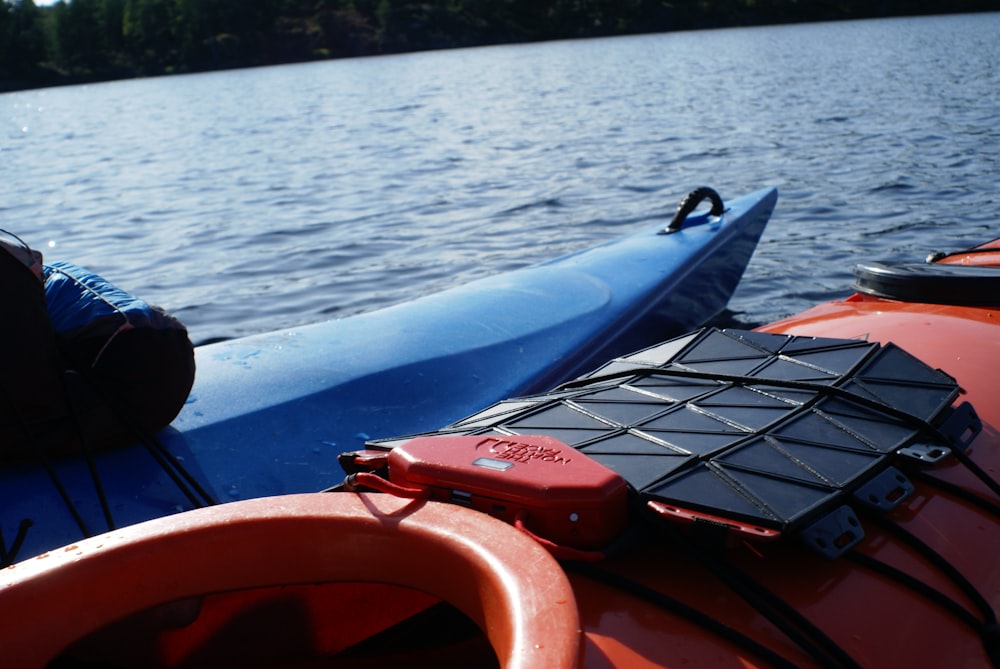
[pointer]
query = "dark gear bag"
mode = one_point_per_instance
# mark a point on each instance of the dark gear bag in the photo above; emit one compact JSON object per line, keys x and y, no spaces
{"x":85,"y":366}
{"x":137,"y":355}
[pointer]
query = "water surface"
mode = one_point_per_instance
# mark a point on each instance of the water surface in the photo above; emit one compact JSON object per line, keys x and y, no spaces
{"x":252,"y":200}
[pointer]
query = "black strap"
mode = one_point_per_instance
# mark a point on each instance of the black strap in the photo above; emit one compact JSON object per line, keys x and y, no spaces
{"x":672,"y":605}
{"x":9,"y":555}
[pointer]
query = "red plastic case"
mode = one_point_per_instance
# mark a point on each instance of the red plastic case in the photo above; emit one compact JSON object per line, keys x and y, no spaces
{"x":569,"y":499}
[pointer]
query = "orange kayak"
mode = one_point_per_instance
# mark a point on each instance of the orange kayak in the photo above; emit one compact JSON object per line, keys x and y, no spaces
{"x":374,"y":579}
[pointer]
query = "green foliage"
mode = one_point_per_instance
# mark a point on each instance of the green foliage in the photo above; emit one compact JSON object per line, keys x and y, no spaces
{"x":22,"y":40}
{"x":81,"y":40}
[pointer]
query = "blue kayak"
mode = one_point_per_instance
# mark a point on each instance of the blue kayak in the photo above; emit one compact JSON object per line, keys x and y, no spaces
{"x":269,"y":413}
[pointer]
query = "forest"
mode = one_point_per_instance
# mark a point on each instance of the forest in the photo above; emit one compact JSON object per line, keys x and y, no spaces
{"x":79,"y":41}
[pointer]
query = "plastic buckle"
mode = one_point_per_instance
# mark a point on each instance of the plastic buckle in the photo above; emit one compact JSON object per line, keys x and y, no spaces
{"x":835,"y":533}
{"x":885,"y":491}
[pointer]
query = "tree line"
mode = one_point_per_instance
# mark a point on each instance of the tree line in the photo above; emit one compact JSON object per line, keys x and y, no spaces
{"x":89,"y":40}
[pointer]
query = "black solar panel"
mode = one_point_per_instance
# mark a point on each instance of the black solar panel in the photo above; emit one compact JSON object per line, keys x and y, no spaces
{"x":763,"y":429}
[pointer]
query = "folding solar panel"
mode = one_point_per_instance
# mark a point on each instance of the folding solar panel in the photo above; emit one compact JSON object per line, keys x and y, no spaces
{"x":763,"y":433}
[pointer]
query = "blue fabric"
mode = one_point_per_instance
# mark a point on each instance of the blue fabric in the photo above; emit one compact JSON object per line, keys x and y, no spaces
{"x":79,"y":301}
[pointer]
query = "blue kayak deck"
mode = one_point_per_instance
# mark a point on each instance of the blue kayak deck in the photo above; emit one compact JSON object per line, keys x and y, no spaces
{"x":269,"y":413}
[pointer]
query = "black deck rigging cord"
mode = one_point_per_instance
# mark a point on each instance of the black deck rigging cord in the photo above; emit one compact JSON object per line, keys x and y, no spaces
{"x":64,"y":496}
{"x":87,"y":449}
{"x":826,"y":652}
{"x":929,"y":593}
{"x":964,"y":494}
{"x":7,"y":555}
{"x":936,"y":559}
{"x":977,"y":471}
{"x":986,"y":629}
{"x":179,"y":474}
{"x":672,"y":605}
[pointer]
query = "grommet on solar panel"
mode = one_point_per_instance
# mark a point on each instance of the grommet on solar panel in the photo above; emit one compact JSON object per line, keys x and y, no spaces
{"x":959,"y":430}
{"x":887,"y":490}
{"x":962,"y":426}
{"x":925,"y":454}
{"x":835,"y":533}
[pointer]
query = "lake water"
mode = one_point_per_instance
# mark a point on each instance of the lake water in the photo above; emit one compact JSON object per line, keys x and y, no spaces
{"x":259,"y":199}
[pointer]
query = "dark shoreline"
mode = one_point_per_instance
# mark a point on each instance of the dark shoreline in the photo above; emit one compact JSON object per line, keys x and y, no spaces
{"x":91,"y":41}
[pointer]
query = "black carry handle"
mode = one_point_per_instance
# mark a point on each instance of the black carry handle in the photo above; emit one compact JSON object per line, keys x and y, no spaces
{"x":691,"y":202}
